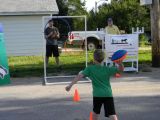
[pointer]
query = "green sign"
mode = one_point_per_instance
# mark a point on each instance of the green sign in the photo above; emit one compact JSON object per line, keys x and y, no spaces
{"x":4,"y":70}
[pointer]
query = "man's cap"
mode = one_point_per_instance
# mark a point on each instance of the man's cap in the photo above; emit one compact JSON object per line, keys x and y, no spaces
{"x":109,"y":19}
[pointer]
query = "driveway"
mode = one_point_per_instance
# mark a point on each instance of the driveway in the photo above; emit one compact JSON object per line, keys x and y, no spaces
{"x":137,"y":97}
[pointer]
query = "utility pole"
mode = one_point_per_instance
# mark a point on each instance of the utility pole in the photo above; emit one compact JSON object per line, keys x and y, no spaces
{"x":155,"y":32}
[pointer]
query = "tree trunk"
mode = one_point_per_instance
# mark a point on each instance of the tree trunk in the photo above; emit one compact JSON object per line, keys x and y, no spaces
{"x":155,"y":33}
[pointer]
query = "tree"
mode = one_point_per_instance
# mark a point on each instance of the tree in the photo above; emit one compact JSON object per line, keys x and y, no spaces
{"x":77,"y":8}
{"x":155,"y":28}
{"x":92,"y":25}
{"x":63,"y":8}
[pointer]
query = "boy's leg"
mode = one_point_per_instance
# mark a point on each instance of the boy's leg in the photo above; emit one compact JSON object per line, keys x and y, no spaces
{"x":95,"y":116}
{"x":113,"y":117}
{"x":109,"y":108}
{"x":97,"y":104}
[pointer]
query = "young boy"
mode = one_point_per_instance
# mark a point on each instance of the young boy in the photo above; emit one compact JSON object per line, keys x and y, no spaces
{"x":102,"y":92}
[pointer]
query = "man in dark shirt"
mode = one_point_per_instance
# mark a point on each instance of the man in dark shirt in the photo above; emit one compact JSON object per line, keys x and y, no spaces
{"x":52,"y":35}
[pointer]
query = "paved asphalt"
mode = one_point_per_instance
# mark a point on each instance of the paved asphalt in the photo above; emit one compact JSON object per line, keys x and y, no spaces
{"x":137,"y":97}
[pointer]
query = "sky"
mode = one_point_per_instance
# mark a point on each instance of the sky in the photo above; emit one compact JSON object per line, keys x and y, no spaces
{"x":91,"y":3}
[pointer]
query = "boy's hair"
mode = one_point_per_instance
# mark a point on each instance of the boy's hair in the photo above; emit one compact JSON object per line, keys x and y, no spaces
{"x":99,"y":55}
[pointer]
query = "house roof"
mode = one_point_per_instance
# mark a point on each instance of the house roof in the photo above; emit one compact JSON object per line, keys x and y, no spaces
{"x":28,"y":7}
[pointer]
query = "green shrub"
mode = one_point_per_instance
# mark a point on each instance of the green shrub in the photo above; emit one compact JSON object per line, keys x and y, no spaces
{"x":143,"y":40}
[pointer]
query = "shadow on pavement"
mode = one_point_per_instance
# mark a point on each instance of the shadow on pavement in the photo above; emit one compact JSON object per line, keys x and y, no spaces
{"x":128,"y":108}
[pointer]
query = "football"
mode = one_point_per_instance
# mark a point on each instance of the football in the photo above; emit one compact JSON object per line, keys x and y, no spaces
{"x":119,"y":55}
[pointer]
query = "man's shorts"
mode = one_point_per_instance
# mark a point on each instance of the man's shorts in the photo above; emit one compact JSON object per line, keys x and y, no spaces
{"x":107,"y":102}
{"x":52,"y":50}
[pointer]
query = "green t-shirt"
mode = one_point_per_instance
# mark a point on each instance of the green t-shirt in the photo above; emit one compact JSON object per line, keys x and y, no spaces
{"x":100,"y":76}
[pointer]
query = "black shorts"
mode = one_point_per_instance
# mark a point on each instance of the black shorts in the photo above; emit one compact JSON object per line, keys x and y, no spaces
{"x":107,"y":102}
{"x":52,"y":50}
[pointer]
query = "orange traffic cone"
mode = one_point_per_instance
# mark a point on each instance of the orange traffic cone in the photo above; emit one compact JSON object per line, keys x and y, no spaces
{"x":90,"y":116}
{"x":118,"y":75}
{"x":76,"y":97}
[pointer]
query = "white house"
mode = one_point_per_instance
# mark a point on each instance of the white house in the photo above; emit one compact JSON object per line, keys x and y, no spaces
{"x":22,"y":21}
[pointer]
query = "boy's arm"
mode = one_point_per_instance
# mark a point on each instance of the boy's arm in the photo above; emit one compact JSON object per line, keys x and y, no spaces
{"x":120,"y":66}
{"x":76,"y":79}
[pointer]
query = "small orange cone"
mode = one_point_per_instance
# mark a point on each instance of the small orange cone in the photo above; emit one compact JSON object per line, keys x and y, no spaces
{"x":118,"y":75}
{"x":76,"y":97}
{"x":90,"y":116}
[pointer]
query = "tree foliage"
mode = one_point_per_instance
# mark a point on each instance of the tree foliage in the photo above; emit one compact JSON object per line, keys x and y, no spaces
{"x":77,"y":8}
{"x":63,"y":8}
{"x":125,"y":14}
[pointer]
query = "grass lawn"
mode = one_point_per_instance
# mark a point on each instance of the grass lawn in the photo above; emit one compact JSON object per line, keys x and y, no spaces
{"x":72,"y":63}
{"x":145,"y":56}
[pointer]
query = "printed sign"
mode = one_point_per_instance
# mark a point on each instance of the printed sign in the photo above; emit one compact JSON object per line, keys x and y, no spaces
{"x":128,"y":42}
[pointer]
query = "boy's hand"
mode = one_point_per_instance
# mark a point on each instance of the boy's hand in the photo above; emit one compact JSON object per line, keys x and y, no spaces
{"x":119,"y":62}
{"x":68,"y":87}
{"x":76,"y":79}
